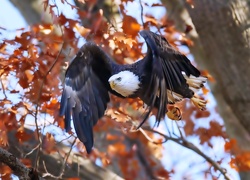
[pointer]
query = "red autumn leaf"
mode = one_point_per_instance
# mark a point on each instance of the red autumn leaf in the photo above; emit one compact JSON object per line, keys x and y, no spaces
{"x":242,"y":161}
{"x":163,"y":173}
{"x":189,"y":127}
{"x":49,"y":143}
{"x":5,"y":172}
{"x":26,"y":162}
{"x":69,"y":33}
{"x":62,"y":19}
{"x":23,"y":81}
{"x":231,"y":144}
{"x":130,"y":26}
{"x":82,"y":30}
{"x":117,"y":148}
{"x":205,"y":91}
{"x":202,"y":114}
{"x":73,"y":178}
{"x":29,"y":75}
{"x":3,"y":134}
{"x":24,"y":40}
{"x":233,"y":164}
{"x":208,"y":75}
{"x":215,"y":130}
{"x":111,"y":137}
{"x":9,"y":120}
{"x":22,"y":135}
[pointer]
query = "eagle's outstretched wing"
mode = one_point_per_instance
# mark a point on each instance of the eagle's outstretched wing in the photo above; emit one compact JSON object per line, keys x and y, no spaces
{"x":85,"y":94}
{"x":165,"y":66}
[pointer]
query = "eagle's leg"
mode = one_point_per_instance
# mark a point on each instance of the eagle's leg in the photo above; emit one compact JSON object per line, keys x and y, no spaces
{"x":199,"y":103}
{"x":174,"y":114}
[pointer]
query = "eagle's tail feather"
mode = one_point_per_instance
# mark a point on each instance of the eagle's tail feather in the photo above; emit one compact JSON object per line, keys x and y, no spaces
{"x":195,"y":83}
{"x":173,"y":97}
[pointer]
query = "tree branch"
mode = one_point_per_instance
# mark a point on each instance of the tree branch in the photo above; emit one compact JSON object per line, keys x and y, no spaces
{"x":183,"y":142}
{"x":18,"y":168}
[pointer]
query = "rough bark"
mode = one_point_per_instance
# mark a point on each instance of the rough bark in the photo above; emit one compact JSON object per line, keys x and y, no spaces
{"x":221,"y":28}
{"x":178,"y":12}
{"x":17,"y":167}
{"x":223,"y":38}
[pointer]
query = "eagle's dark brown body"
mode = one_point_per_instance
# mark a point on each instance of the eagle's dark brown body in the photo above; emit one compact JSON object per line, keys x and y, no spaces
{"x":163,"y":76}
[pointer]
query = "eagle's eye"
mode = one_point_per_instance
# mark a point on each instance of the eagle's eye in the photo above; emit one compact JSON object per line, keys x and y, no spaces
{"x":119,"y":79}
{"x":80,"y":53}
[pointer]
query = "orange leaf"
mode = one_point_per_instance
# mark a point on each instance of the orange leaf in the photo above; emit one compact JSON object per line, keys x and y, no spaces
{"x":130,"y":26}
{"x":205,"y":90}
{"x":118,"y":147}
{"x":230,"y":144}
{"x":5,"y":172}
{"x":189,"y":127}
{"x":49,"y":143}
{"x":243,"y":161}
{"x":214,"y":130}
{"x":26,"y":162}
{"x":202,"y":114}
{"x":3,"y":134}
{"x":111,"y":137}
{"x":22,"y":135}
{"x":82,"y":30}
{"x":233,"y":164}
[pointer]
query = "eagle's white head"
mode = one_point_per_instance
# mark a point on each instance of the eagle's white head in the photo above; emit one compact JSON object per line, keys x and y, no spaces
{"x":125,"y":83}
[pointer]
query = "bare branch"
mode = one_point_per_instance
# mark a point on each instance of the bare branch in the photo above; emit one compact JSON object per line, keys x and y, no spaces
{"x":141,"y":13}
{"x":4,"y":93}
{"x":66,"y":158}
{"x":17,"y":167}
{"x":183,"y":142}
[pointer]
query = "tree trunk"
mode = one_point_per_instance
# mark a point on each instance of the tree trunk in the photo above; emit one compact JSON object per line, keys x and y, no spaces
{"x":223,"y":38}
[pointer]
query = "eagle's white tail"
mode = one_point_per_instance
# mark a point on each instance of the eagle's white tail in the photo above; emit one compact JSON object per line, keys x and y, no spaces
{"x":174,"y":97}
{"x":195,"y":83}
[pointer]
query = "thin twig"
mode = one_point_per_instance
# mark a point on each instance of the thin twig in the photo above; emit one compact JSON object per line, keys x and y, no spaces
{"x":65,"y":139}
{"x":66,"y":159}
{"x":47,"y":174}
{"x":179,"y":130}
{"x":141,"y":13}
{"x":149,"y":138}
{"x":31,"y":151}
{"x":38,"y":104}
{"x":4,"y":93}
{"x":183,"y":142}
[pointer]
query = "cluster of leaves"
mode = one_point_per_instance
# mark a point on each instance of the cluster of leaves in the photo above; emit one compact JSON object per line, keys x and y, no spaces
{"x":30,"y":71}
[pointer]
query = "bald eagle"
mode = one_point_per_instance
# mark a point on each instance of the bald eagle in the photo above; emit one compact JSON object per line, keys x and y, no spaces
{"x":164,"y":76}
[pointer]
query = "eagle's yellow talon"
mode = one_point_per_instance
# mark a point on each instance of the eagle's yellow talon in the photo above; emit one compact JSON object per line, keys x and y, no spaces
{"x":199,"y":103}
{"x":174,"y":114}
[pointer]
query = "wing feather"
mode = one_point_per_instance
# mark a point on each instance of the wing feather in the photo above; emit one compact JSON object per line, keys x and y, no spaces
{"x":164,"y":66}
{"x":85,"y":94}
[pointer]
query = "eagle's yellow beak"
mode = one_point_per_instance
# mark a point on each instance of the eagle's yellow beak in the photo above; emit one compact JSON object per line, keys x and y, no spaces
{"x":112,"y":84}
